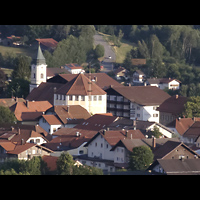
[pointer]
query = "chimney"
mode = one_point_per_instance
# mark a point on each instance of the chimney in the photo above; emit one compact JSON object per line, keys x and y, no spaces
{"x":18,"y":131}
{"x":12,"y":128}
{"x":22,"y":141}
{"x":176,"y":96}
{"x":153,"y":142}
{"x":104,"y":132}
{"x":95,"y":78}
{"x":134,"y":124}
{"x":27,"y":103}
{"x":16,"y":99}
{"x":128,"y":134}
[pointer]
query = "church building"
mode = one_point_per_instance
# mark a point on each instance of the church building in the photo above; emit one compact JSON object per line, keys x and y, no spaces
{"x":38,"y":70}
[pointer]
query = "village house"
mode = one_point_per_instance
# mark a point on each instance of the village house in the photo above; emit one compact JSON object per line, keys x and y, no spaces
{"x":23,"y":151}
{"x":74,"y":68}
{"x":134,"y":102}
{"x":171,"y":108}
{"x":82,"y":91}
{"x":164,"y":83}
{"x":138,"y":77}
{"x":121,"y":73}
{"x":175,"y":158}
{"x":63,"y":116}
{"x":29,"y":112}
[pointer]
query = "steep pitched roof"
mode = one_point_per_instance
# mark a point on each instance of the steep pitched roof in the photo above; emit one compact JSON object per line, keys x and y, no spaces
{"x":174,"y":104}
{"x":114,"y":136}
{"x":44,"y":92}
{"x":143,"y":95}
{"x":80,"y":86}
{"x":32,"y":111}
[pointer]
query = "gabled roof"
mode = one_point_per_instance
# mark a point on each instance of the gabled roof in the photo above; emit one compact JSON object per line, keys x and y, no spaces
{"x":174,"y":104}
{"x":32,"y":111}
{"x":71,"y":112}
{"x":44,"y":92}
{"x":142,"y":95}
{"x":73,"y":66}
{"x":168,"y":147}
{"x":52,"y":120}
{"x":21,"y":148}
{"x":48,"y":42}
{"x":178,"y":167}
{"x":80,"y":86}
{"x":114,"y":136}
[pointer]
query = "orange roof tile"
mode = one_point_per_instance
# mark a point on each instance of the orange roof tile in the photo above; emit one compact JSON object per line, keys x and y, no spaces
{"x":33,"y":107}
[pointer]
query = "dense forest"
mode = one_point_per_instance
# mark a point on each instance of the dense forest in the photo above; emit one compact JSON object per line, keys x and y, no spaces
{"x":171,"y":50}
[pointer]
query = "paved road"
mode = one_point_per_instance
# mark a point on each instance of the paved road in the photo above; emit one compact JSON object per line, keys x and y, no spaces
{"x":107,"y":63}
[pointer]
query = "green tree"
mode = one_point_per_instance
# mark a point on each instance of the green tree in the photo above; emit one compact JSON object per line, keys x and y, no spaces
{"x":65,"y":164}
{"x":6,"y":116}
{"x":156,"y":133}
{"x":18,"y":88}
{"x":140,"y":158}
{"x":99,"y":51}
{"x":22,"y":68}
{"x":192,"y":107}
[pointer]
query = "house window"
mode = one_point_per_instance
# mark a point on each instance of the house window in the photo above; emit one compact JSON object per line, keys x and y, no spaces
{"x":101,"y":145}
{"x":37,"y":140}
{"x":155,"y":115}
{"x":95,"y":98}
{"x":42,"y":76}
{"x":76,"y":98}
{"x":82,"y":98}
{"x":100,"y":98}
{"x":95,"y":144}
{"x":138,"y":115}
{"x":57,"y":97}
{"x":70,"y":97}
{"x":61,"y":97}
{"x":32,"y":141}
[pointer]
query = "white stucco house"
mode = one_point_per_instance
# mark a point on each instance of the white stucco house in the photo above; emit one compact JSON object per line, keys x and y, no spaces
{"x":162,"y":83}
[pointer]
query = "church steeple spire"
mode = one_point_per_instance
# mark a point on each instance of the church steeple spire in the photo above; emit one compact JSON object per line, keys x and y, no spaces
{"x":40,"y":59}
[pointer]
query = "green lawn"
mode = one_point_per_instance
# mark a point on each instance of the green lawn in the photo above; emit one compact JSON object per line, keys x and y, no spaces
{"x":18,"y":50}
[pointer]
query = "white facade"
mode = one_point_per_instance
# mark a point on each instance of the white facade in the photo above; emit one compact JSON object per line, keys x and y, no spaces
{"x":100,"y":148}
{"x":48,"y":127}
{"x":172,"y":85}
{"x":36,"y":140}
{"x":145,"y":113}
{"x":97,"y":104}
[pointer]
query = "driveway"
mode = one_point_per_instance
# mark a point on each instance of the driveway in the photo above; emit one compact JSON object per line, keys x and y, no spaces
{"x":107,"y":63}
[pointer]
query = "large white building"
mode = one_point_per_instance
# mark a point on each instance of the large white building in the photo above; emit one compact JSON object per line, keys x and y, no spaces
{"x":82,"y":91}
{"x":134,"y":102}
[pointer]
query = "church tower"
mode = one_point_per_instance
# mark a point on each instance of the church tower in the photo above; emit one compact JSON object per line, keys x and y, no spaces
{"x":38,"y":70}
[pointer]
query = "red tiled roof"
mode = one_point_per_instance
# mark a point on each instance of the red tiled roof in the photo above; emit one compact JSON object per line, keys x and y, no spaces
{"x":35,"y":108}
{"x":52,"y":119}
{"x":80,"y":86}
{"x":48,"y":42}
